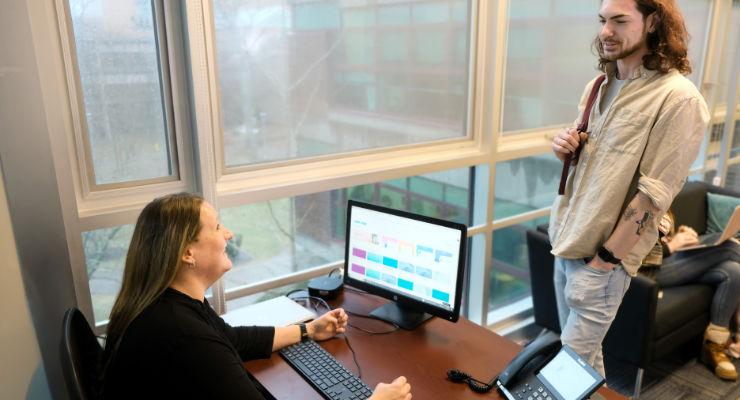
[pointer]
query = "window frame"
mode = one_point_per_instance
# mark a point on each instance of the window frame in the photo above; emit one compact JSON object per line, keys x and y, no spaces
{"x":190,"y":41}
{"x":107,"y":205}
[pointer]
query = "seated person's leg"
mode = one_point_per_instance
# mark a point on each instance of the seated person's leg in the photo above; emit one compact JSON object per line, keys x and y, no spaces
{"x":726,"y":277}
{"x":683,"y":267}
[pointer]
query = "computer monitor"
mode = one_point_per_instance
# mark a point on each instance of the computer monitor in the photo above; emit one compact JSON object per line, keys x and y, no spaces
{"x":417,"y":262}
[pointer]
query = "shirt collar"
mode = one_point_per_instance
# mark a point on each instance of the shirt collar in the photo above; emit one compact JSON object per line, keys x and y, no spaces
{"x":640,"y":72}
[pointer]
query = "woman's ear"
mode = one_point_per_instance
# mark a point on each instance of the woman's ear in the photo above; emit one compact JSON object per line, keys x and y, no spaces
{"x":188,"y":257}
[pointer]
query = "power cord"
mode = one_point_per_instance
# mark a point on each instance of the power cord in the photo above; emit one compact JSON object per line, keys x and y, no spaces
{"x":396,"y":327}
{"x":335,"y":269}
{"x":476,"y":385}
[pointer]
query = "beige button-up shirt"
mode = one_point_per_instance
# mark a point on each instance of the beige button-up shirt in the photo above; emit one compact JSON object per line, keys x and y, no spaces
{"x":646,"y":140}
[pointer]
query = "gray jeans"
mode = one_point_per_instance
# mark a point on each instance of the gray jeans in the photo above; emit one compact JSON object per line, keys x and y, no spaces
{"x":588,"y":300}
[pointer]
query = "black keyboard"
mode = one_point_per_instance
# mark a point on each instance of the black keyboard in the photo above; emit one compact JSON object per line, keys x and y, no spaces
{"x":324,"y":372}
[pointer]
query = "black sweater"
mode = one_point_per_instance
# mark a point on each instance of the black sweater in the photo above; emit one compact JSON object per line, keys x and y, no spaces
{"x":180,"y":348}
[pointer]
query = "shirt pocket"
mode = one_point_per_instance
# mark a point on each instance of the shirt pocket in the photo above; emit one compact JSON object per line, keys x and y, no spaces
{"x":626,"y":130}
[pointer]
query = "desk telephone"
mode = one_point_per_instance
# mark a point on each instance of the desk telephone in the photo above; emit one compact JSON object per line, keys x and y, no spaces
{"x":544,"y":370}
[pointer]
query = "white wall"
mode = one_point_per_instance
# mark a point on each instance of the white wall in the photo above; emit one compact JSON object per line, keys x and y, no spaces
{"x":21,"y":371}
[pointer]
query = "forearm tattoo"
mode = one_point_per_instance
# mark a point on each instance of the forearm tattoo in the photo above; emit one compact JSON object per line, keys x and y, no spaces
{"x":646,"y":220}
{"x":629,"y":213}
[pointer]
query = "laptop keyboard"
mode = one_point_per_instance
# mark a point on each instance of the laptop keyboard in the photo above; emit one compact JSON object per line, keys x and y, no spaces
{"x":324,"y":372}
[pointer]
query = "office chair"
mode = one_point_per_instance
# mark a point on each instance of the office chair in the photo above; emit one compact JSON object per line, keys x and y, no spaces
{"x":80,"y":355}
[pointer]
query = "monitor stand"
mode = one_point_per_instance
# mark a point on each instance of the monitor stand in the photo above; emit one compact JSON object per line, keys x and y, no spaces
{"x":406,"y":318}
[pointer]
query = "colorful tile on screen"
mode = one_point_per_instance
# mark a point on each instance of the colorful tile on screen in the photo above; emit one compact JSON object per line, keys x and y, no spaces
{"x":421,"y":289}
{"x":371,"y":273}
{"x":375,"y":258}
{"x":358,"y":268}
{"x":406,"y":247}
{"x":404,"y":266}
{"x":402,"y":283}
{"x":424,"y":272}
{"x":442,"y":256}
{"x":388,"y":278}
{"x":358,"y":252}
{"x":424,"y":252}
{"x":442,"y":296}
{"x":390,"y":262}
{"x":442,"y":278}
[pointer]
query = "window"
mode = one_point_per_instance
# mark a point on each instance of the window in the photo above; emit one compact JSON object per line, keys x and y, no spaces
{"x":296,"y":86}
{"x":281,"y":237}
{"x":549,"y":59}
{"x":105,"y":256}
{"x":124,"y":83}
{"x":304,"y":79}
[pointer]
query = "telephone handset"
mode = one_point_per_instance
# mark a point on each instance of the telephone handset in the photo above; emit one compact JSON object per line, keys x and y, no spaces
{"x":534,"y":355}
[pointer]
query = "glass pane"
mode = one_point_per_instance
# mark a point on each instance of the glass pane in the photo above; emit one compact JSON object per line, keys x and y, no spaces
{"x":105,"y":256}
{"x":280,"y":237}
{"x":730,"y":49}
{"x":302,"y":79}
{"x":526,"y":184}
{"x":269,"y":295}
{"x":696,"y":15}
{"x":549,"y":59}
{"x":121,"y":87}
{"x":510,"y":264}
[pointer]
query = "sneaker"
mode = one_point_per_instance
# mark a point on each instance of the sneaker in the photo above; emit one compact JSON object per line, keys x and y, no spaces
{"x":713,"y":355}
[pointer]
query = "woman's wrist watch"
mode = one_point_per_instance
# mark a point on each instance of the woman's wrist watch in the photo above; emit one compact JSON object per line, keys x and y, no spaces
{"x":304,"y":331}
{"x":607,"y":255}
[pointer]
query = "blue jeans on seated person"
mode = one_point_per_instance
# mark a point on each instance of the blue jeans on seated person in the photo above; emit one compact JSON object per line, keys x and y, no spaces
{"x":588,"y":300}
{"x":717,"y":266}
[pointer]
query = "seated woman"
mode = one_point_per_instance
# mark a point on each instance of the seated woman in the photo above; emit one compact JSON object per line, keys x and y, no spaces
{"x":164,"y":340}
{"x":718,"y":266}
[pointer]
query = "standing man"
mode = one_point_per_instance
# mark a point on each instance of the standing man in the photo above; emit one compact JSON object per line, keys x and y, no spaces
{"x":646,"y":129}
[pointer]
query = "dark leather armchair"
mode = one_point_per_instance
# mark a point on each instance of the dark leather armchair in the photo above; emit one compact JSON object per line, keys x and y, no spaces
{"x":646,"y":327}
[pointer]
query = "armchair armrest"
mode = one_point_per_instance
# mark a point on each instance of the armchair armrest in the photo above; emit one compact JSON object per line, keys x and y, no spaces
{"x":631,"y":335}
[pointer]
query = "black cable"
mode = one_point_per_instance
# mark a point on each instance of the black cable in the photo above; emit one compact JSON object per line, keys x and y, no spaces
{"x":335,"y":269}
{"x":348,"y":312}
{"x":320,"y":300}
{"x":476,"y":385}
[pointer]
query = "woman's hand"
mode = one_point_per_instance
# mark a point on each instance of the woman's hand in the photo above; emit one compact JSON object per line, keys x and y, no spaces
{"x":398,"y":390}
{"x":328,"y":325}
{"x":684,"y":238}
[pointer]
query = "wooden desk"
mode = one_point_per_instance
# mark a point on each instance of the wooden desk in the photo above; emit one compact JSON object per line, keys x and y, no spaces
{"x":423,"y":356}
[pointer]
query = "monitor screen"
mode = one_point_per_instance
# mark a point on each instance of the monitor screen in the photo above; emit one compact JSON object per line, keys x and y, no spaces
{"x":569,"y":377}
{"x":406,"y":255}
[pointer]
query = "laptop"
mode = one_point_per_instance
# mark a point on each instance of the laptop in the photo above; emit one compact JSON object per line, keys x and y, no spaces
{"x":280,"y":311}
{"x":714,"y":239}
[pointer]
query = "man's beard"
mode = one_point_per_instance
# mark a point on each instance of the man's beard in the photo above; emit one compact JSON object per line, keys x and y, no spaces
{"x":626,"y":52}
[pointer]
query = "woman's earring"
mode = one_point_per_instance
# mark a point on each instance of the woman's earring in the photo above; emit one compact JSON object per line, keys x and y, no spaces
{"x":192,"y":266}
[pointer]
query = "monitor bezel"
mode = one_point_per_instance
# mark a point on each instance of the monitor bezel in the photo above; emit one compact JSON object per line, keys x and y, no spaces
{"x":402,"y":300}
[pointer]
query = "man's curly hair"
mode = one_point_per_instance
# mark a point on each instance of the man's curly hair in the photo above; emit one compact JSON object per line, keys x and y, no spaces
{"x":668,"y":44}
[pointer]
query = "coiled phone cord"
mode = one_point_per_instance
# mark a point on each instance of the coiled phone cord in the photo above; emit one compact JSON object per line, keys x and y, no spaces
{"x":476,"y":385}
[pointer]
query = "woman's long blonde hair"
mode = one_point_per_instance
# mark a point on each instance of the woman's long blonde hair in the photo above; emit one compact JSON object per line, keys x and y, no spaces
{"x":163,"y":230}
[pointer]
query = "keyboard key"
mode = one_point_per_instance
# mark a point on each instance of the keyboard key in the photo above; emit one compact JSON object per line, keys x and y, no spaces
{"x":540,"y":390}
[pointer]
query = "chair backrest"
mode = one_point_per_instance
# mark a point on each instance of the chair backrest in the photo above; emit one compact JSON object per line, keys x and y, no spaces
{"x":80,"y":355}
{"x":541,"y":270}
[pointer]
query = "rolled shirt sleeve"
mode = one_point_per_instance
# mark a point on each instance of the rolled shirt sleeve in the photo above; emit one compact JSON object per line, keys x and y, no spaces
{"x":672,"y":147}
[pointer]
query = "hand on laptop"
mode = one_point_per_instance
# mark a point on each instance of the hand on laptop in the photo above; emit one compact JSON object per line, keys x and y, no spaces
{"x":398,"y":390}
{"x":328,"y":325}
{"x":683,"y":238}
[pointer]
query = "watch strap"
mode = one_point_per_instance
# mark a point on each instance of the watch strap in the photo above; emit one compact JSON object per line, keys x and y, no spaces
{"x":304,"y":331}
{"x":607,"y":255}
